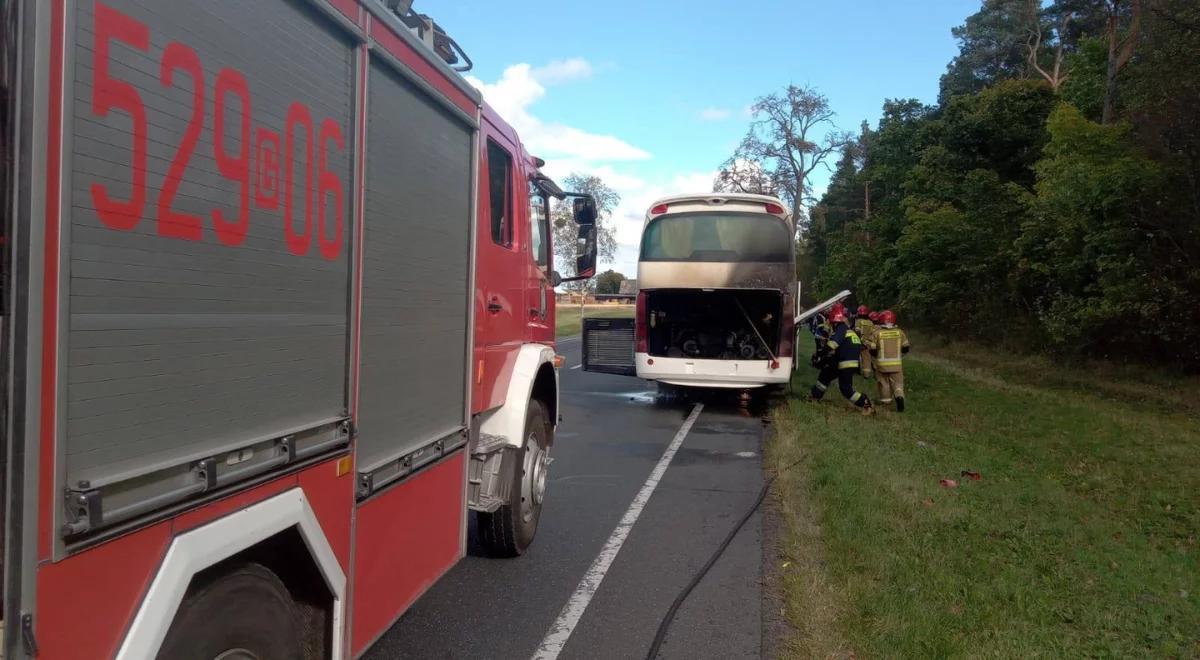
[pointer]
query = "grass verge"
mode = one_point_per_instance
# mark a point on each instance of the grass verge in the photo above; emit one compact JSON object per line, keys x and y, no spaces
{"x":1080,"y":540}
{"x":567,"y":319}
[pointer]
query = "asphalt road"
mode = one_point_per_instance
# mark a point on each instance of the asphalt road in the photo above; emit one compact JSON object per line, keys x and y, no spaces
{"x":615,"y":430}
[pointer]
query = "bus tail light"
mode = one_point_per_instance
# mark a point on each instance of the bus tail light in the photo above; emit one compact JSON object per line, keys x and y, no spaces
{"x":639,"y":325}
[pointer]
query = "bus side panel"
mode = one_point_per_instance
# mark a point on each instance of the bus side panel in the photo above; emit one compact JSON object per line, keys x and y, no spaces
{"x":405,"y":539}
{"x":85,"y":604}
{"x":208,"y":293}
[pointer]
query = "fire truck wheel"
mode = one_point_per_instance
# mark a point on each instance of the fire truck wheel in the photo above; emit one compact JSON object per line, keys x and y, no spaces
{"x":509,"y":531}
{"x":246,"y":614}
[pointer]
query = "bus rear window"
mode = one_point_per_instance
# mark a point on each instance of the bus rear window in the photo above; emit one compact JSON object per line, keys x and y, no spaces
{"x":754,"y":237}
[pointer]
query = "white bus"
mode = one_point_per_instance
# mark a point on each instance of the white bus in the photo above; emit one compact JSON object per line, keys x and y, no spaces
{"x":717,"y":296}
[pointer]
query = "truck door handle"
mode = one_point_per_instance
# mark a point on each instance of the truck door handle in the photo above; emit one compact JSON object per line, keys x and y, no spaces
{"x":494,"y":306}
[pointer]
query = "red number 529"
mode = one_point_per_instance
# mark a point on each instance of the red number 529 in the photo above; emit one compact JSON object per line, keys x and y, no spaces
{"x":109,"y":93}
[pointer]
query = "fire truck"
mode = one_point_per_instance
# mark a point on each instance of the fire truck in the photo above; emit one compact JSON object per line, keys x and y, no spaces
{"x":278,"y":322}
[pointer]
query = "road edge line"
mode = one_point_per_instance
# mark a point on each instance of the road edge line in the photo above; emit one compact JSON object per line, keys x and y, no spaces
{"x":560,"y":631}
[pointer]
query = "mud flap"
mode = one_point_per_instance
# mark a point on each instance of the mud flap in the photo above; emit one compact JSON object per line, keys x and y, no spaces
{"x":608,"y":346}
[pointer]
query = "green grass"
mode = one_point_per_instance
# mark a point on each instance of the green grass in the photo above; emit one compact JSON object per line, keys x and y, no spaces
{"x":567,"y":317}
{"x":1079,"y":541}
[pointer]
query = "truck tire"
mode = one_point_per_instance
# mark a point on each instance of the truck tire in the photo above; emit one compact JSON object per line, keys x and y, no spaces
{"x":509,"y":531}
{"x":246,"y":614}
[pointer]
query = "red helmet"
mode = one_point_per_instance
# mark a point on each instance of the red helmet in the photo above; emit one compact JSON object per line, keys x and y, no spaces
{"x":874,"y":316}
{"x":837,"y":308}
{"x":863,"y":310}
{"x":887,"y":317}
{"x":838,"y":316}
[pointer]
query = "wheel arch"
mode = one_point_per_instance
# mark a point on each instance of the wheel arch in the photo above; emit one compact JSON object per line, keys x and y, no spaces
{"x":545,"y":389}
{"x":533,"y":376}
{"x":281,"y":532}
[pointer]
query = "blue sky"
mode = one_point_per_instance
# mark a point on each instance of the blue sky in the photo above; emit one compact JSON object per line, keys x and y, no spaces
{"x":653,"y":95}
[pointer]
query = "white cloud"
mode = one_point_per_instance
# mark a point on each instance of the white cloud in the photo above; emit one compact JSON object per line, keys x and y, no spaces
{"x":715,"y":114}
{"x":521,"y":86}
{"x":560,"y":71}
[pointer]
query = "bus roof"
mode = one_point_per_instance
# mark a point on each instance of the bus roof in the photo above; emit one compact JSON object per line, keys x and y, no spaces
{"x":743,"y":202}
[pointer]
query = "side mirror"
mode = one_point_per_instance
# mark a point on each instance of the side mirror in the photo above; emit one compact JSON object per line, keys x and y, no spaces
{"x":584,"y":210}
{"x":555,"y":278}
{"x":585,"y":262}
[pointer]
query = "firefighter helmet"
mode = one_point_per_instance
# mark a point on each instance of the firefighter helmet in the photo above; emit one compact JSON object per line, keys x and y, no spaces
{"x":863,"y":310}
{"x":887,"y":317}
{"x":874,"y":316}
{"x":838,"y":316}
{"x":837,"y":308}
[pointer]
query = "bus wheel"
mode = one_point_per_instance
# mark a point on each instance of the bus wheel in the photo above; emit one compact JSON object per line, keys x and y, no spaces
{"x":509,"y":531}
{"x":245,"y":614}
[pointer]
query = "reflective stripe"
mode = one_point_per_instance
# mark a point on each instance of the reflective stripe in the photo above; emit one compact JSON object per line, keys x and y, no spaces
{"x":848,"y":364}
{"x":885,"y":401}
{"x":855,"y":397}
{"x":822,"y":386}
{"x":891,"y":362}
{"x":832,"y":344}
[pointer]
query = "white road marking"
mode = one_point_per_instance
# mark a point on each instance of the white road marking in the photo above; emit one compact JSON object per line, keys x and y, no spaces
{"x":577,"y":366}
{"x":560,"y":631}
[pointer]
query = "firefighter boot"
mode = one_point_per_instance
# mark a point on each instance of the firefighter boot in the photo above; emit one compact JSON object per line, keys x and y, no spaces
{"x":817,"y":392}
{"x":899,"y":404}
{"x":867,"y":408}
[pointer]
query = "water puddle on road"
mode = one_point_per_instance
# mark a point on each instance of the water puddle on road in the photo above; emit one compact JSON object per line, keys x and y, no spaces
{"x":646,"y":396}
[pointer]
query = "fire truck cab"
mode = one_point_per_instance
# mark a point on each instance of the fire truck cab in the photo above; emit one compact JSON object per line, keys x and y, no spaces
{"x":278,"y":316}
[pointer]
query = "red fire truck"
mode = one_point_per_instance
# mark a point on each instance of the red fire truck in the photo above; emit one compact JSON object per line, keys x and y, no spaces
{"x":278,"y":313}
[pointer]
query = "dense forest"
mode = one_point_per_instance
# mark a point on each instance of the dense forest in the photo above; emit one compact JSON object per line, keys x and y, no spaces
{"x":1049,"y":199}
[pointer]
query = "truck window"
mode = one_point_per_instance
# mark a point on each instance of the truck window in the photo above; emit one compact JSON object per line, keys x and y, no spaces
{"x":499,"y":164}
{"x":730,"y":237}
{"x":539,"y":221}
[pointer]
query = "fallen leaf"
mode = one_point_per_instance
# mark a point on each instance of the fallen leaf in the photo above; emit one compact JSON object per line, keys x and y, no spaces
{"x":786,"y":564}
{"x":948,"y":483}
{"x":922,"y":443}
{"x":973,"y":476}
{"x":927,"y":502}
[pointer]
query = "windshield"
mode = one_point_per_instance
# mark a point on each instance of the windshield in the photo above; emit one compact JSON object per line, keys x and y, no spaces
{"x":717,"y":237}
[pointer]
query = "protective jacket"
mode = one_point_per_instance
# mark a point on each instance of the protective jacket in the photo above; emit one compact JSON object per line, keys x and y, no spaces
{"x":864,"y":327}
{"x":888,"y":344}
{"x":845,"y":347}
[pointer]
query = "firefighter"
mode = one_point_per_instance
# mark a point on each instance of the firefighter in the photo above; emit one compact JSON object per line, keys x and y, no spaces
{"x":840,"y":362}
{"x":822,"y":330}
{"x":874,"y":316}
{"x":864,"y":326}
{"x":888,"y":344}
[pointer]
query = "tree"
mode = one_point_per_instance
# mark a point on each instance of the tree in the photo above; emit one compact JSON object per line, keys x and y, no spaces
{"x":609,"y":282}
{"x":744,"y":176}
{"x":1121,"y":42}
{"x":1011,"y":211}
{"x":1056,"y":74}
{"x":566,"y":233}
{"x":782,"y":148}
{"x":991,"y":48}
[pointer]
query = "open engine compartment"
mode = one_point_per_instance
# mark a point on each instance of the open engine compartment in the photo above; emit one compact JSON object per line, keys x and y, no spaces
{"x":713,"y":324}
